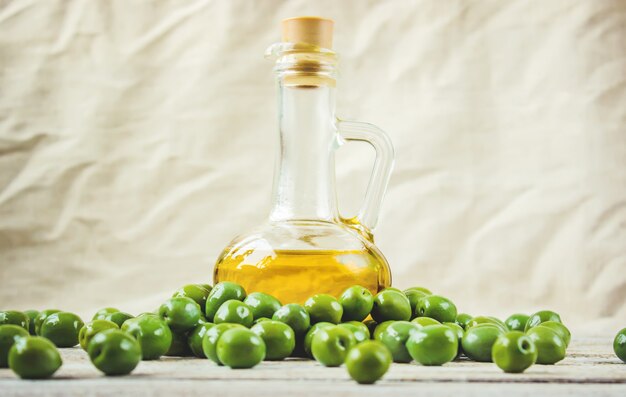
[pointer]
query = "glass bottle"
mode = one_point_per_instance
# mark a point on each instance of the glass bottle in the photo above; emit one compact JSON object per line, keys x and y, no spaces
{"x":307,"y":247}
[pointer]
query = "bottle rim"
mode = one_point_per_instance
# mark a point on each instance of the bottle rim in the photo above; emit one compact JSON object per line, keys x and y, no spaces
{"x":302,"y":60}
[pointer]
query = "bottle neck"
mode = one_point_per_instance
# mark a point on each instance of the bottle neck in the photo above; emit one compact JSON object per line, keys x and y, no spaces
{"x":304,"y":178}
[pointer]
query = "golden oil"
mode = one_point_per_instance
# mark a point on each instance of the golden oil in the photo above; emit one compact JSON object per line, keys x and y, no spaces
{"x":292,"y":276}
{"x":307,"y":247}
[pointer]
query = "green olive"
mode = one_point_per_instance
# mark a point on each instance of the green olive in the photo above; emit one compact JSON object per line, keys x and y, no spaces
{"x":477,"y":343}
{"x":118,"y":317}
{"x":550,"y":346}
{"x":102,"y":313}
{"x":619,"y":345}
{"x":212,"y":336}
{"x":9,"y":333}
{"x":438,"y":307}
{"x":424,"y":321}
{"x":463,"y":319}
{"x":240,"y":348}
{"x":262,"y":305}
{"x":180,"y":345}
{"x":514,"y":352}
{"x":89,"y":330}
{"x":62,"y":329}
{"x":308,"y":338}
{"x":152,"y":333}
{"x":34,"y":357}
{"x":195,"y":337}
{"x":357,"y":303}
{"x":359,"y":330}
{"x":323,"y":308}
{"x":279,"y":339}
{"x":41,"y":317}
{"x":433,"y":345}
{"x":414,"y":296}
{"x":368,"y":361}
{"x":560,"y":329}
{"x":487,"y":320}
{"x":181,"y":314}
{"x":391,"y":305}
{"x":234,"y":311}
{"x":330,"y":345}
{"x":114,"y":352}
{"x":380,"y":328}
{"x":220,"y":293}
{"x":541,"y":317}
{"x":517,"y":322}
{"x":458,"y":331}
{"x":295,"y":316}
{"x":196,"y":292}
{"x":395,"y":337}
{"x":14,"y":317}
{"x":32,"y":315}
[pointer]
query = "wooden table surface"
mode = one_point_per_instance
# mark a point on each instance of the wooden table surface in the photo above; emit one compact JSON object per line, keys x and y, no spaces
{"x":591,"y":368}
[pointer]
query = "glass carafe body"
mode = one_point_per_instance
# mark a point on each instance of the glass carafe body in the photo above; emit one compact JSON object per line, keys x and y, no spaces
{"x":306,"y":247}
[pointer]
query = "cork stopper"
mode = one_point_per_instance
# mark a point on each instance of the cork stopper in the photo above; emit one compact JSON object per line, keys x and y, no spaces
{"x":315,"y":31}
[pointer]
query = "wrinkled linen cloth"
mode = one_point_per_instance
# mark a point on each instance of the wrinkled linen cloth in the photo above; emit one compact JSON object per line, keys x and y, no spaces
{"x":137,"y":138}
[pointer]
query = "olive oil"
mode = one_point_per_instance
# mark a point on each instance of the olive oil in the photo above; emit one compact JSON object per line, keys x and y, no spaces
{"x":308,"y":247}
{"x":292,"y":276}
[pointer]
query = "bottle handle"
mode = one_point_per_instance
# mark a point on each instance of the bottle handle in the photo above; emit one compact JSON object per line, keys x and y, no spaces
{"x":367,"y":218}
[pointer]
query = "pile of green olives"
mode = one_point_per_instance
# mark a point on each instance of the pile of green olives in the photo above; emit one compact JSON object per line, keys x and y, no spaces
{"x":225,"y":325}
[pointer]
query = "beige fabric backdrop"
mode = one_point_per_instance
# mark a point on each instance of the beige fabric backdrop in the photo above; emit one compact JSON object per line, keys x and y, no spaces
{"x":137,"y":138}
